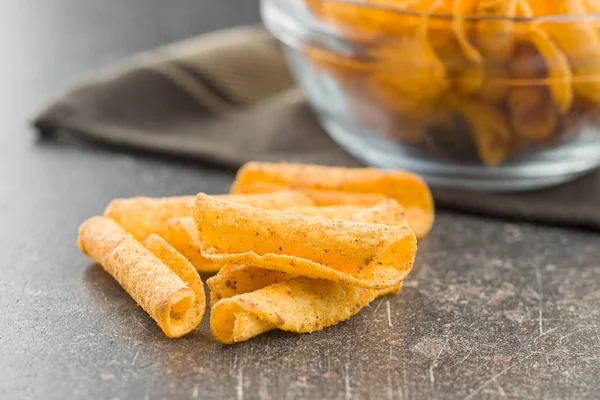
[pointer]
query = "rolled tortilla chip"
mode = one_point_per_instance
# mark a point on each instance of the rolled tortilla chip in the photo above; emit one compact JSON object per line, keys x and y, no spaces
{"x":233,"y":280}
{"x":362,"y":254}
{"x":331,"y":212}
{"x":388,"y":212}
{"x":322,"y":198}
{"x":238,"y":279}
{"x":182,"y":234}
{"x":188,"y":318}
{"x":158,"y":278}
{"x":297,"y":305}
{"x":406,"y":188}
{"x":270,"y":201}
{"x":142,"y":216}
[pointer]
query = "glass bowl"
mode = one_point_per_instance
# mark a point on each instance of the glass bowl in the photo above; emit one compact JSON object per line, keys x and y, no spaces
{"x":487,"y":99}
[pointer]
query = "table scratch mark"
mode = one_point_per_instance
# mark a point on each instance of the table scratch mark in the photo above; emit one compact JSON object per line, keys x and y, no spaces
{"x":389,"y":313}
{"x":538,"y":278}
{"x":347,"y":381}
{"x":560,"y":339}
{"x":431,"y":377}
{"x":404,"y":380}
{"x":498,"y":375}
{"x":544,"y":334}
{"x":597,"y":334}
{"x":500,"y":390}
{"x":263,"y":392}
{"x":32,"y":359}
{"x":400,"y":394}
{"x":533,"y":292}
{"x":467,"y":356}
{"x":240,"y":384}
{"x":377,"y":308}
{"x":139,"y":323}
{"x":442,"y":350}
{"x":135,"y":356}
{"x":547,"y":359}
{"x":541,"y":318}
{"x":434,"y":363}
{"x":390,"y":390}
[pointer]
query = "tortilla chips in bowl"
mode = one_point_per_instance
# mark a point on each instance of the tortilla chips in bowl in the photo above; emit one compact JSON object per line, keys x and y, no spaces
{"x":483,"y":94}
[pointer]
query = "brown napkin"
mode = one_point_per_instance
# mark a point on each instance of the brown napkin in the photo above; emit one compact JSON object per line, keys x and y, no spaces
{"x":227,"y":98}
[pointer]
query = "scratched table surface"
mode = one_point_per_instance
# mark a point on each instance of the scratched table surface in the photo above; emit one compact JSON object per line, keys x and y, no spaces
{"x":491,"y":310}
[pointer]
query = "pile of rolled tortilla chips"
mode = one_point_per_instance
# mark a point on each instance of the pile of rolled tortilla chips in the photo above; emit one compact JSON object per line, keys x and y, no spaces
{"x":293,"y":247}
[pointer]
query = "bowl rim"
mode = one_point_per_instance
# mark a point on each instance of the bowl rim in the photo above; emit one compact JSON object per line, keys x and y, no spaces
{"x":468,"y":17}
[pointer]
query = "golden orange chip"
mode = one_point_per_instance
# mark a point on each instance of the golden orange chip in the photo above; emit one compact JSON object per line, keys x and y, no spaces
{"x":158,"y":278}
{"x":361,"y":254}
{"x":560,"y":78}
{"x":182,"y":234}
{"x":332,"y":212}
{"x":142,"y":216}
{"x":577,"y":38}
{"x":592,"y":6}
{"x":321,"y":197}
{"x":496,"y":29}
{"x":344,"y":67}
{"x":388,"y":212}
{"x":270,"y":201}
{"x":296,"y":305}
{"x":423,"y":78}
{"x":183,"y":317}
{"x":490,"y":130}
{"x":366,"y":24}
{"x":315,"y":6}
{"x":533,"y":115}
{"x":238,"y":279}
{"x":406,"y":188}
{"x":233,"y":280}
{"x":391,"y":290}
{"x":495,"y":84}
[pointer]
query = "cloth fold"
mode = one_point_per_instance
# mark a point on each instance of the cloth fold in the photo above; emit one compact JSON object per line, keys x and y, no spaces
{"x":227,"y":98}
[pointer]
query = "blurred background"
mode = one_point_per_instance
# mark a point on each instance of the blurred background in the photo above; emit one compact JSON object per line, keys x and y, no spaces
{"x":49,"y":43}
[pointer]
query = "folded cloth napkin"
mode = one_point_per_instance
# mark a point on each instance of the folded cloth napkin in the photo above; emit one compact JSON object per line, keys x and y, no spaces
{"x":227,"y":98}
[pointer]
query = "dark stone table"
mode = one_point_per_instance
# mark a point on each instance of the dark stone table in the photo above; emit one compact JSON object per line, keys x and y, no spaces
{"x":491,"y":310}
